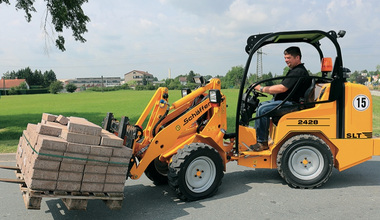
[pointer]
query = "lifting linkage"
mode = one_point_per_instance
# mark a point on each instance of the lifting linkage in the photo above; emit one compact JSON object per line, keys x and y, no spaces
{"x":166,"y":120}
{"x":312,"y":37}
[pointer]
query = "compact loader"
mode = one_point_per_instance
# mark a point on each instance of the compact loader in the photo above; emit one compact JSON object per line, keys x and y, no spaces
{"x":185,"y":143}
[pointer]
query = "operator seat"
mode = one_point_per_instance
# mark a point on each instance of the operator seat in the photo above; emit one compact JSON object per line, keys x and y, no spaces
{"x":305,"y":102}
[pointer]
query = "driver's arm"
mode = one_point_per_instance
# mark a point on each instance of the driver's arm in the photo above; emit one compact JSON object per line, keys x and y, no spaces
{"x":275,"y":89}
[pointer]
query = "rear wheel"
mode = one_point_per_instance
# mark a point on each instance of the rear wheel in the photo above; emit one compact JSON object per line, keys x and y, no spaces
{"x":305,"y":161}
{"x":196,"y":172}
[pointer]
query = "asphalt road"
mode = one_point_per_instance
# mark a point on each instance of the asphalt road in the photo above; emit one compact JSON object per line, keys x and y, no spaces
{"x":244,"y":194}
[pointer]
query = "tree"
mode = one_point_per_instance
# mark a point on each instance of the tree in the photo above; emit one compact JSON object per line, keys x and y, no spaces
{"x":190,"y":77}
{"x":286,"y":70}
{"x":144,"y":81}
{"x":35,"y":78}
{"x":70,"y":87}
{"x":22,"y":86}
{"x":132,"y":83}
{"x":55,"y":87}
{"x":49,"y":77}
{"x":38,"y":78}
{"x":174,"y":84}
{"x":63,"y":13}
{"x":353,"y":76}
{"x":233,"y":77}
{"x":268,"y":76}
{"x":207,"y":77}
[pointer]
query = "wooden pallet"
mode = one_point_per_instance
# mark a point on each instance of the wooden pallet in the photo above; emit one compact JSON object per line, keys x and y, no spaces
{"x":72,"y":200}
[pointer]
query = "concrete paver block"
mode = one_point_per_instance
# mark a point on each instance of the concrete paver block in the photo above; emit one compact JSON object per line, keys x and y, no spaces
{"x":48,"y":117}
{"x":97,"y":160}
{"x":113,"y":187}
{"x":78,"y":148}
{"x":92,"y":187}
{"x":101,"y":151}
{"x":47,"y":155}
{"x":45,"y":164}
{"x":70,"y":176}
{"x":36,"y":184}
{"x":62,"y":120}
{"x":101,"y":169}
{"x":68,"y":186}
{"x":93,"y":178}
{"x":117,"y":169}
{"x":110,"y":178}
{"x":122,"y":152}
{"x":48,"y":130}
{"x":45,"y":142}
{"x":83,"y":127}
{"x":71,"y":167}
{"x":74,"y":158}
{"x":43,"y":174}
{"x":80,"y":138}
{"x":109,"y":139}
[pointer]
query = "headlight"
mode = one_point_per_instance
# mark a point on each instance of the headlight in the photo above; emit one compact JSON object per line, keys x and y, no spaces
{"x":215,"y":96}
{"x":185,"y":92}
{"x":199,"y":80}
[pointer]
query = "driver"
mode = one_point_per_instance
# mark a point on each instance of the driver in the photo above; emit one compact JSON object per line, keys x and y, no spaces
{"x":280,"y":91}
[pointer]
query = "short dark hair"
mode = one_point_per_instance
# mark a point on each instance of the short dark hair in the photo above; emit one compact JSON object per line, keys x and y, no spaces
{"x":294,"y":51}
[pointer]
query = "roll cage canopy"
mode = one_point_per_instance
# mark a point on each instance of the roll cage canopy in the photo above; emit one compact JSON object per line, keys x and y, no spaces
{"x":311,"y":37}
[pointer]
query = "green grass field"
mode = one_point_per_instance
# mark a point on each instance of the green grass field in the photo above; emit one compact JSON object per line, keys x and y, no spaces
{"x":17,"y":111}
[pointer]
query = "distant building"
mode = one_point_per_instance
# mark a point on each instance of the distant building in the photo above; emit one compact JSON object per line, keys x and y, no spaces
{"x":7,"y":84}
{"x":95,"y":81}
{"x":183,"y":80}
{"x":376,"y":78}
{"x":138,"y":76}
{"x":158,"y":83}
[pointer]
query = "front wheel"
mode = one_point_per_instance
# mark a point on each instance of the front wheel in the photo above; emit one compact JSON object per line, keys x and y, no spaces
{"x":196,"y":172}
{"x":305,"y":161}
{"x":157,"y":172}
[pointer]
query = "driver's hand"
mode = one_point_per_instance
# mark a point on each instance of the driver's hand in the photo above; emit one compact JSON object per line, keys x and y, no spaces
{"x":257,"y":88}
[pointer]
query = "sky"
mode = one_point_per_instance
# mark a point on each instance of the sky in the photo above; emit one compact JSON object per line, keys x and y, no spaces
{"x":205,"y":36}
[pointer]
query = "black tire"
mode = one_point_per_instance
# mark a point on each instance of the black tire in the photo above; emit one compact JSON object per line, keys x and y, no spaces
{"x":196,"y":172}
{"x":305,"y":161}
{"x":157,"y":172}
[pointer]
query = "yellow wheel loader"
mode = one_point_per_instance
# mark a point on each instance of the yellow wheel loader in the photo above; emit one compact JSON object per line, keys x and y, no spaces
{"x":185,"y":143}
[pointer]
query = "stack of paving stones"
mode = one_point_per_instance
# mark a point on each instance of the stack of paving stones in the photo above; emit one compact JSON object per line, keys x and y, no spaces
{"x":72,"y":154}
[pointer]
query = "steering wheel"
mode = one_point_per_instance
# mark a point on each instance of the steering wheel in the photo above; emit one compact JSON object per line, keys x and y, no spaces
{"x":254,"y":92}
{"x":249,"y":104}
{"x":258,"y":94}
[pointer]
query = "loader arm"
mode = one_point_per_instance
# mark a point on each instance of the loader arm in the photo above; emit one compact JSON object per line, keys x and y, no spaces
{"x":170,"y":128}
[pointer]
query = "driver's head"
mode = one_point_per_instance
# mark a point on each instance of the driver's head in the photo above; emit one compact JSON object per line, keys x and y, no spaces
{"x":292,"y":56}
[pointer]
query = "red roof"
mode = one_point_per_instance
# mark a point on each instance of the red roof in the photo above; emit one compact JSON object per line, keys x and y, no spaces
{"x":9,"y":83}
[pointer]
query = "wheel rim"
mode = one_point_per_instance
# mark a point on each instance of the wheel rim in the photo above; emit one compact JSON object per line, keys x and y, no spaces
{"x":200,"y":174}
{"x":306,"y":163}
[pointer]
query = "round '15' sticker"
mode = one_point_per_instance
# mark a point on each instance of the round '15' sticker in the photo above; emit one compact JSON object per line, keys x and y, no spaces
{"x":361,"y":102}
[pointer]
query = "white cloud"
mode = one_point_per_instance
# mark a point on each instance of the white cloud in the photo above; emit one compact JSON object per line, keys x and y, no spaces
{"x":201,"y":35}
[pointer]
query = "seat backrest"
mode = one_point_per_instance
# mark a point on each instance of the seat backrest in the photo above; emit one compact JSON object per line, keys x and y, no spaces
{"x":308,"y":96}
{"x":309,"y":93}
